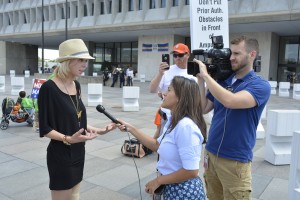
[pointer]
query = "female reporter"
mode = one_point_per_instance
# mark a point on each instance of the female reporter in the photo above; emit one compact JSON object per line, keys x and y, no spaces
{"x":179,"y":147}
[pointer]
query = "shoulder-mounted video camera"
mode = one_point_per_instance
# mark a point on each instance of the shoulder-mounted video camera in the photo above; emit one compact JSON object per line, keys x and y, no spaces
{"x":216,"y":59}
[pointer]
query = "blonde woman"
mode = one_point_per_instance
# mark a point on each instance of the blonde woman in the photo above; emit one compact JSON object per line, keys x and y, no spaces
{"x":62,"y":118}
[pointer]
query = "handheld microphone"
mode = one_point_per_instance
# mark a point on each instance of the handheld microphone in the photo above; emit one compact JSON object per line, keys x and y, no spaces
{"x":101,"y":109}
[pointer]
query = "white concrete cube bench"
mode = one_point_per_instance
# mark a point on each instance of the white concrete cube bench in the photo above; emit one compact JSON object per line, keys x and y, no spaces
{"x":264,"y":113}
{"x":260,"y":130}
{"x":2,"y":83}
{"x":12,"y":73}
{"x":284,"y":89}
{"x":142,"y":78}
{"x":280,"y":127}
{"x":27,"y":73}
{"x":296,"y":91}
{"x":95,"y":74}
{"x":94,"y":94}
{"x":17,"y":85}
{"x":294,"y":176}
{"x":273,"y":85}
{"x":131,"y":97}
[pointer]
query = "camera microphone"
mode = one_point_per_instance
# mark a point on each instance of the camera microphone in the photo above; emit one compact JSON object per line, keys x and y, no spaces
{"x":101,"y":109}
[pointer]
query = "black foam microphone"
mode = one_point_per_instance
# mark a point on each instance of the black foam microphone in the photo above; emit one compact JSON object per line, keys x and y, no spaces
{"x":101,"y":109}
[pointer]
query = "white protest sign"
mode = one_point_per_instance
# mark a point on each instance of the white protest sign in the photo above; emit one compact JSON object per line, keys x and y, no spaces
{"x":208,"y":17}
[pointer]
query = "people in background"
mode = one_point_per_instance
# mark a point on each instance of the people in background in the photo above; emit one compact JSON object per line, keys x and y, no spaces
{"x":129,"y":75}
{"x":26,"y":103}
{"x":115,"y":75}
{"x":52,"y":72}
{"x":105,"y":76}
{"x":23,"y":106}
{"x":36,"y":115}
{"x":122,"y":75}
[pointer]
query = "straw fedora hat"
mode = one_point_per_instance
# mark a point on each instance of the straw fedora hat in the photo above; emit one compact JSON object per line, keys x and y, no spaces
{"x":73,"y":49}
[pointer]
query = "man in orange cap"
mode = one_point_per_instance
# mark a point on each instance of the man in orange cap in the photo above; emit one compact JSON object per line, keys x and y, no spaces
{"x":166,"y":73}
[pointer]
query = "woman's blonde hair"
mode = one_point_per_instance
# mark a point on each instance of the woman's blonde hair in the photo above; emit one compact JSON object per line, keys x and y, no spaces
{"x":189,"y":103}
{"x":63,"y":70}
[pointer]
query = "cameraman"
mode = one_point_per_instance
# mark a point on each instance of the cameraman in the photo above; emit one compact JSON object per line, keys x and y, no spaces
{"x":238,"y":103}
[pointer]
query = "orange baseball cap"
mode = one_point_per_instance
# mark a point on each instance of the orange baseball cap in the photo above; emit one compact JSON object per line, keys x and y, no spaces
{"x":180,"y":48}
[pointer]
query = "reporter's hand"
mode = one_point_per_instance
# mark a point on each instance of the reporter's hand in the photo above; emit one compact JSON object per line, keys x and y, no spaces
{"x":124,"y":126}
{"x":151,"y":186}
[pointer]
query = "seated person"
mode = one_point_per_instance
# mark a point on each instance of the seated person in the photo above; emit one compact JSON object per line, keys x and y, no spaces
{"x":17,"y":106}
{"x":22,"y":94}
{"x":24,"y":104}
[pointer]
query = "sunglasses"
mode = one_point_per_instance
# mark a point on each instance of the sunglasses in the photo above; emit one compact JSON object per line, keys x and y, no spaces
{"x":180,"y":55}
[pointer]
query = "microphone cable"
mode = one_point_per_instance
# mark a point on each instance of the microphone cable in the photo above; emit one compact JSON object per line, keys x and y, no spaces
{"x":101,"y":109}
{"x":136,"y":168}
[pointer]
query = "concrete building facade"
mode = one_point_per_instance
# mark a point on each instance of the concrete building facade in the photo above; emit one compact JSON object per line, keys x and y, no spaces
{"x":136,"y":32}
